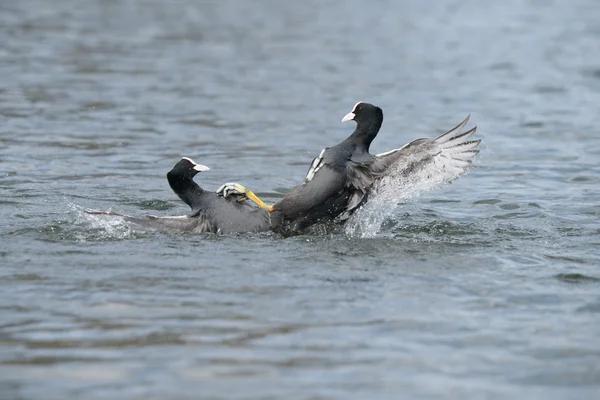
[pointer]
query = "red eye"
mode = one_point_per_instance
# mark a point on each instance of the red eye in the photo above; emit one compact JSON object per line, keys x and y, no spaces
{"x":188,"y":163}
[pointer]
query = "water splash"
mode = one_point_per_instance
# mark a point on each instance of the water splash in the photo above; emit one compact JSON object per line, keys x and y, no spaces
{"x":99,"y":227}
{"x":408,"y":179}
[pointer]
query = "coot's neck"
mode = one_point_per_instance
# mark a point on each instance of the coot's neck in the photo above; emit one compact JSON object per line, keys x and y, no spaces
{"x":185,"y":187}
{"x":364,"y":134}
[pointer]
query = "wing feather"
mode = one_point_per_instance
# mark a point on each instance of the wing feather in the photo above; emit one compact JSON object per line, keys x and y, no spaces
{"x":450,"y":154}
{"x":315,"y":166}
{"x":197,"y":223}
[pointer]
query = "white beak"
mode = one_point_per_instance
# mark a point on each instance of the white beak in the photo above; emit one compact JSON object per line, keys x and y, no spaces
{"x":201,"y":168}
{"x":349,"y":117}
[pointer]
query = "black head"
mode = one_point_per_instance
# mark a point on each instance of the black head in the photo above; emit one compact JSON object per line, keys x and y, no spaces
{"x":365,"y":114}
{"x":368,"y":121}
{"x":181,"y":180}
{"x":187,"y":168}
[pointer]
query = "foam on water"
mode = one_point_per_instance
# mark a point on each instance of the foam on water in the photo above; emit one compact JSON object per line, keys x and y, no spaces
{"x":99,"y":226}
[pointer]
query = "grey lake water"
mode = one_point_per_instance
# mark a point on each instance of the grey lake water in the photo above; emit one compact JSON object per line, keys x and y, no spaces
{"x":486,"y":288}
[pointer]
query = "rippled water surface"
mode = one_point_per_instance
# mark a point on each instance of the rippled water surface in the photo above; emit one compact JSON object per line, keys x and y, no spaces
{"x":487,"y":288}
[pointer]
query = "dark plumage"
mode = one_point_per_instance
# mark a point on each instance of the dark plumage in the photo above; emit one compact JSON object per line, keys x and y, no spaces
{"x":340,"y":179}
{"x":210,"y":212}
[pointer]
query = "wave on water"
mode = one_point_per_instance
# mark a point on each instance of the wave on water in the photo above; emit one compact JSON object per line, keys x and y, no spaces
{"x":398,"y":187}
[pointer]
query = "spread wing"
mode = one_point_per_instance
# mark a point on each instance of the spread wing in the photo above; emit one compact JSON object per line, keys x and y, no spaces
{"x":447,"y":156}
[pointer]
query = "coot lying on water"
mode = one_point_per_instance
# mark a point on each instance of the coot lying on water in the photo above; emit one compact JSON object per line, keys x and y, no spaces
{"x":210,"y":212}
